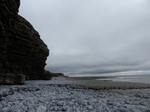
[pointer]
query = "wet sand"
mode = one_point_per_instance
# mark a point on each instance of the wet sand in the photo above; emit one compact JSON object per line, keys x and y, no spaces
{"x":92,"y":83}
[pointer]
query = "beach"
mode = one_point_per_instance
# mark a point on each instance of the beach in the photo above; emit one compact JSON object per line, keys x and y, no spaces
{"x":63,"y":94}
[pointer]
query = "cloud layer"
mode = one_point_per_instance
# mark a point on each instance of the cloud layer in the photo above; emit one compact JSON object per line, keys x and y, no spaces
{"x":92,"y":36}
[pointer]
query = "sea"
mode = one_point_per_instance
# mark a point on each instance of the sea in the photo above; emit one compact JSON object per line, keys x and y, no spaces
{"x":130,"y":78}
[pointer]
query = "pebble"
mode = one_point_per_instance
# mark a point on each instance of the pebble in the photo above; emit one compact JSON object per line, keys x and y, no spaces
{"x":31,"y":110}
{"x":65,"y":98}
{"x":41,"y":109}
{"x":89,"y":107}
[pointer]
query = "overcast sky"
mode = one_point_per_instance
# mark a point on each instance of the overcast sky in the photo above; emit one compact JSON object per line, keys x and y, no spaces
{"x":90,"y":37}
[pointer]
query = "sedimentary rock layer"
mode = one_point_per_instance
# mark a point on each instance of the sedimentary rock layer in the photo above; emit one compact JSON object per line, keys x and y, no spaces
{"x":21,"y":49}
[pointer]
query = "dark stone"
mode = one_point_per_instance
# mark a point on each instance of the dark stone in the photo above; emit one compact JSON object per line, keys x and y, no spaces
{"x":12,"y":78}
{"x":21,"y":49}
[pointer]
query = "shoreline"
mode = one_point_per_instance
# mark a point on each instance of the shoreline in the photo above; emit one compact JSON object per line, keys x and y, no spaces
{"x":91,"y":82}
{"x":87,"y":83}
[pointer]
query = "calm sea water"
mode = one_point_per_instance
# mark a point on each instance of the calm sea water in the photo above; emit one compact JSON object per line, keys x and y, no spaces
{"x":133,"y":78}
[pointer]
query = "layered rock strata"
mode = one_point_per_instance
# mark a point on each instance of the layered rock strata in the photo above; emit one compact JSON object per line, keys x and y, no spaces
{"x":22,"y":52}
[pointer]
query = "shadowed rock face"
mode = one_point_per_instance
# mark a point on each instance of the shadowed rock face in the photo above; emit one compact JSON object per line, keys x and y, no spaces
{"x":21,"y":49}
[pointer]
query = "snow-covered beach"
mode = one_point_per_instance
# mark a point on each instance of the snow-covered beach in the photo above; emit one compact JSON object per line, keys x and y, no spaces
{"x":69,"y":95}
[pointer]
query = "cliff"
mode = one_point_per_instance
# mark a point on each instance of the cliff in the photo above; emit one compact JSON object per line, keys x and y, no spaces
{"x":54,"y":74}
{"x":22,"y":52}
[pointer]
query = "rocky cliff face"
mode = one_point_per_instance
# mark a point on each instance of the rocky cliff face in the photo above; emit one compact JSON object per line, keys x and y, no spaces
{"x":22,"y":52}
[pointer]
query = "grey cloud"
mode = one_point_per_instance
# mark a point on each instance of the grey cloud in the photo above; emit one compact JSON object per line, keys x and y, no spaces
{"x":92,"y":36}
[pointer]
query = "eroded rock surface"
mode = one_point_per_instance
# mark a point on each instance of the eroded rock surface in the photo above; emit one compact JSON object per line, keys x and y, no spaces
{"x":22,"y":52}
